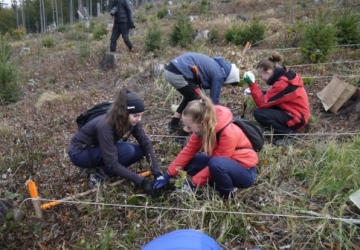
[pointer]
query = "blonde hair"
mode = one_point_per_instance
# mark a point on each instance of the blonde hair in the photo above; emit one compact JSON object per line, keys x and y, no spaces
{"x":272,"y":62}
{"x":203,"y":112}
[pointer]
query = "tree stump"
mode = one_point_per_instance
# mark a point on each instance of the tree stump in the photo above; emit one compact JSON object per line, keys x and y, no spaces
{"x":109,"y":61}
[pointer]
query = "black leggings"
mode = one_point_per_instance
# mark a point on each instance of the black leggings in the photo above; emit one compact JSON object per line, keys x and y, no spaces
{"x":275,"y":118}
{"x":190,"y":93}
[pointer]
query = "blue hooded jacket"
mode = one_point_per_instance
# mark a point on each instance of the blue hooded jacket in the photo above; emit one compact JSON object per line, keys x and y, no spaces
{"x":182,"y":240}
{"x":212,"y":72}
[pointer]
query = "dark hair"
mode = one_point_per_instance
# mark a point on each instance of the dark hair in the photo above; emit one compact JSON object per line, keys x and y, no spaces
{"x":118,"y":115}
{"x":270,"y":62}
{"x":203,"y":112}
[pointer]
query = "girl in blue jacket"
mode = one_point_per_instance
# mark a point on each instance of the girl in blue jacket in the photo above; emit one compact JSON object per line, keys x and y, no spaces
{"x":210,"y":73}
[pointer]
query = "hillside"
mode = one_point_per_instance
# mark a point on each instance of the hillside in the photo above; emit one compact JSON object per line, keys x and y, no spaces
{"x":296,"y":187}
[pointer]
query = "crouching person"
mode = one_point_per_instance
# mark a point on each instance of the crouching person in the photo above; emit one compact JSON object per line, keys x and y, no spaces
{"x":228,"y":164}
{"x":97,"y":145}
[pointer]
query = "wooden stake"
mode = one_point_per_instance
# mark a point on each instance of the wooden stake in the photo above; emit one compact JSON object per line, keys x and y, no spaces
{"x":34,"y":194}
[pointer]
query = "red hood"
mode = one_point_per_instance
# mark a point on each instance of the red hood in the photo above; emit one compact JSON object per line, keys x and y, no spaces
{"x":223,"y":117}
{"x":296,"y":81}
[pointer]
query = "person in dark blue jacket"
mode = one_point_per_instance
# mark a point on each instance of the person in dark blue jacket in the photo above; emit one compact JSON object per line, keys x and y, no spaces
{"x":183,"y":239}
{"x":210,"y":73}
{"x":98,"y":143}
{"x":123,"y":21}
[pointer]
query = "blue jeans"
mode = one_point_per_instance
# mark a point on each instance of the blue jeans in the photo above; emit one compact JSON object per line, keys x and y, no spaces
{"x":120,"y":29}
{"x":128,"y":153}
{"x":226,"y":173}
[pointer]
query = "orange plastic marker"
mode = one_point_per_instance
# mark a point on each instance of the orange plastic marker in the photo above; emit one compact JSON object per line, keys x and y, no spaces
{"x":49,"y":205}
{"x":146,"y":173}
{"x":32,"y":189}
{"x":34,"y":194}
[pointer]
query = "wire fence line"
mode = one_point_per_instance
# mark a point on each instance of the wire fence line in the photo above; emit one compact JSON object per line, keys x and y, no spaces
{"x":284,"y":49}
{"x":271,"y":135}
{"x":204,"y":210}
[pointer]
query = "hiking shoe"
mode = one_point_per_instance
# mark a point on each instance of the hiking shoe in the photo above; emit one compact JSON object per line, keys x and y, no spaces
{"x":181,"y":141}
{"x":94,"y":181}
{"x":85,"y":172}
{"x":173,"y":128}
{"x":285,"y":141}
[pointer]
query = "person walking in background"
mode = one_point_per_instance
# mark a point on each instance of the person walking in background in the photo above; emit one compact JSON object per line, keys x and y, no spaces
{"x":228,"y":164}
{"x":285,"y":107}
{"x":97,"y":145}
{"x":123,"y":21}
{"x":191,"y":71}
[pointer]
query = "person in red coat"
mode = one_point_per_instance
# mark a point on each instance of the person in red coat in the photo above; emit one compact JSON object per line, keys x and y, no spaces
{"x":285,"y":107}
{"x":228,"y":164}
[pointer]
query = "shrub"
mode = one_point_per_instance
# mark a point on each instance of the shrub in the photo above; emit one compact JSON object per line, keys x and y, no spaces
{"x":161,"y":13}
{"x":62,"y":28}
{"x":213,"y":35}
{"x":204,"y":7}
{"x":318,"y":39}
{"x":153,"y":38}
{"x":77,"y":36}
{"x":253,"y":32}
{"x":18,"y":34}
{"x":9,"y":88}
{"x":182,"y":31}
{"x":347,"y":28}
{"x":99,"y":31}
{"x":149,"y":6}
{"x":140,"y":17}
{"x":48,"y":41}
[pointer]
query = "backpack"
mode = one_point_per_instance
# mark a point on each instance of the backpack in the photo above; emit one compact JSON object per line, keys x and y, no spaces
{"x":91,"y":113}
{"x":252,"y":131}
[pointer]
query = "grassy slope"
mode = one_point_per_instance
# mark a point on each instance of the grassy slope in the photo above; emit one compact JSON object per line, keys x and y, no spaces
{"x":309,"y":176}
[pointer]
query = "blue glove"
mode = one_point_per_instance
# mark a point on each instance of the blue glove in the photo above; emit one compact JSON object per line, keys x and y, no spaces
{"x":161,"y":181}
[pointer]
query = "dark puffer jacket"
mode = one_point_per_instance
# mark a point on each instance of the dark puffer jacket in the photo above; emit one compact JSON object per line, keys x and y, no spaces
{"x":124,"y":13}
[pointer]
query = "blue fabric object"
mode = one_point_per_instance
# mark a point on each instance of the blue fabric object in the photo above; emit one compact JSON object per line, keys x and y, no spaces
{"x":161,"y":181}
{"x":224,"y":64}
{"x":182,"y":240}
{"x":212,"y":75}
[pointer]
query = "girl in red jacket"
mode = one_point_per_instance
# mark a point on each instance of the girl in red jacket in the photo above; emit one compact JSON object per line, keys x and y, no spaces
{"x":285,"y":107}
{"x":228,"y":164}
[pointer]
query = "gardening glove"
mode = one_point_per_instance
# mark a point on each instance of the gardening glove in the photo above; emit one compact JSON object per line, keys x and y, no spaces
{"x":113,"y":11}
{"x":156,"y":175}
{"x":249,"y":77}
{"x":161,"y":181}
{"x":146,"y":185}
{"x":188,"y":186}
{"x":131,"y":25}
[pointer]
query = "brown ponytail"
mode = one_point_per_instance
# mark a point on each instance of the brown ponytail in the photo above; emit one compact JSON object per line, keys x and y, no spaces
{"x":272,"y":62}
{"x":118,"y":115}
{"x":203,"y":112}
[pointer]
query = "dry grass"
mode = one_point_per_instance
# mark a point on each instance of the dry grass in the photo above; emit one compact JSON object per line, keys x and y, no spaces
{"x":313,"y":175}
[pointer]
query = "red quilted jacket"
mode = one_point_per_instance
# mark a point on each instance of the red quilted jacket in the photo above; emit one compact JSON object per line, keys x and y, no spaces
{"x":232,"y":137}
{"x":287,"y":93}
